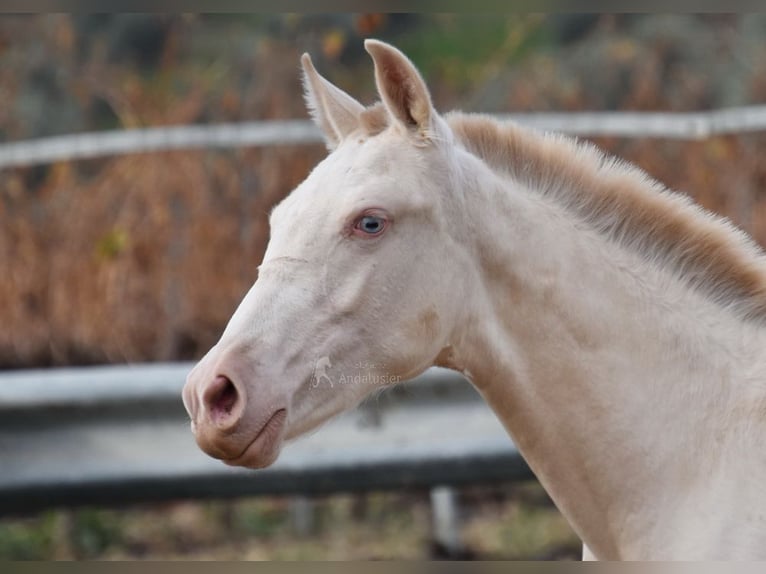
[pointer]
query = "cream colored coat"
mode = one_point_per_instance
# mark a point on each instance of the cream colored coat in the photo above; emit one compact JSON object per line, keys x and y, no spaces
{"x":616,"y":329}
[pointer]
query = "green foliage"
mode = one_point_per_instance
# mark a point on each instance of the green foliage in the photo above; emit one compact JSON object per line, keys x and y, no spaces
{"x":112,"y":244}
{"x":93,"y":531}
{"x":377,"y":525}
{"x":532,"y":531}
{"x":30,"y":539}
{"x":256,"y":520}
{"x":460,"y":48}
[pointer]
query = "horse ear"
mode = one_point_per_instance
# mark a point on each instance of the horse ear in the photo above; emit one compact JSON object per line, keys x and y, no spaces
{"x":401,"y":87}
{"x":333,"y":110}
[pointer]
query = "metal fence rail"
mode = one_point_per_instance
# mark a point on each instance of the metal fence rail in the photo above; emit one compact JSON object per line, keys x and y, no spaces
{"x":689,"y":126}
{"x":114,"y":435}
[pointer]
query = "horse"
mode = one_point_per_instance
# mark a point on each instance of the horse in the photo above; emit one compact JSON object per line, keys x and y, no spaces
{"x":614,"y":327}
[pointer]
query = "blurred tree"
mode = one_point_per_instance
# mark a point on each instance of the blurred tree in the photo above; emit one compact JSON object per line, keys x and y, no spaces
{"x":135,"y":39}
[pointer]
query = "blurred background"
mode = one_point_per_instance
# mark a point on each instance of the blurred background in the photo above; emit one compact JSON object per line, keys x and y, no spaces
{"x":143,"y":257}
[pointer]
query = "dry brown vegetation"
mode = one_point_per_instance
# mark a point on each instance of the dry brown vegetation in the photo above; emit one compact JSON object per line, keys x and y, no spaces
{"x":143,"y":257}
{"x":146,"y":259}
{"x":143,"y":262}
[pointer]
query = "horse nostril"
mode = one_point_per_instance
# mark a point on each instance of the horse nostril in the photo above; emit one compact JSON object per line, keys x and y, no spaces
{"x":221,"y":398}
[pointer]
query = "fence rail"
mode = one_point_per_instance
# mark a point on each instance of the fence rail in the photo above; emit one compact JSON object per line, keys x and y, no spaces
{"x":115,"y":435}
{"x":688,"y":125}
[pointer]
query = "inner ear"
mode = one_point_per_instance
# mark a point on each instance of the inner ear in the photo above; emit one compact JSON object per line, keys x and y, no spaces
{"x":402,"y":89}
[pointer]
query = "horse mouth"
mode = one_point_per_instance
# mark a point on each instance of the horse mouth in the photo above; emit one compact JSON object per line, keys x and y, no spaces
{"x":263,"y":450}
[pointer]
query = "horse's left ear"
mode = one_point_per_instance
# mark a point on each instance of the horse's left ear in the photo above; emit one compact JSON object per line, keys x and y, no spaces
{"x":401,"y":87}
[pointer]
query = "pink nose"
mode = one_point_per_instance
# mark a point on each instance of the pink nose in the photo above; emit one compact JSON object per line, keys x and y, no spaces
{"x":223,"y":403}
{"x":216,"y":415}
{"x":230,"y":420}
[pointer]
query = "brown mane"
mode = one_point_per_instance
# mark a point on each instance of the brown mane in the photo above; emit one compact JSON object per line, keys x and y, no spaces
{"x":627,"y":205}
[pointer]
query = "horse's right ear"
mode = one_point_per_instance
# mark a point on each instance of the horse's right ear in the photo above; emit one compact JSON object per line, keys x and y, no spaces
{"x":333,"y":110}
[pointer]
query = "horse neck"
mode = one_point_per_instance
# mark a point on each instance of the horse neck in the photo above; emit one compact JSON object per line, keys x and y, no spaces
{"x":620,"y":385}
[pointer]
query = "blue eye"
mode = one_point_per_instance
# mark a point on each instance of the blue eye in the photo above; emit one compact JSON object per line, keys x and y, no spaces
{"x":370,"y":224}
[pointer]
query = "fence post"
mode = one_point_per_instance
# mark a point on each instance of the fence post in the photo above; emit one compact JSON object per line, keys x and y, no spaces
{"x":301,"y":509}
{"x":446,"y":521}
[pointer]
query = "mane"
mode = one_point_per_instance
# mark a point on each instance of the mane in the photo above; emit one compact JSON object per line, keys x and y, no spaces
{"x":374,"y":119}
{"x":623,"y":203}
